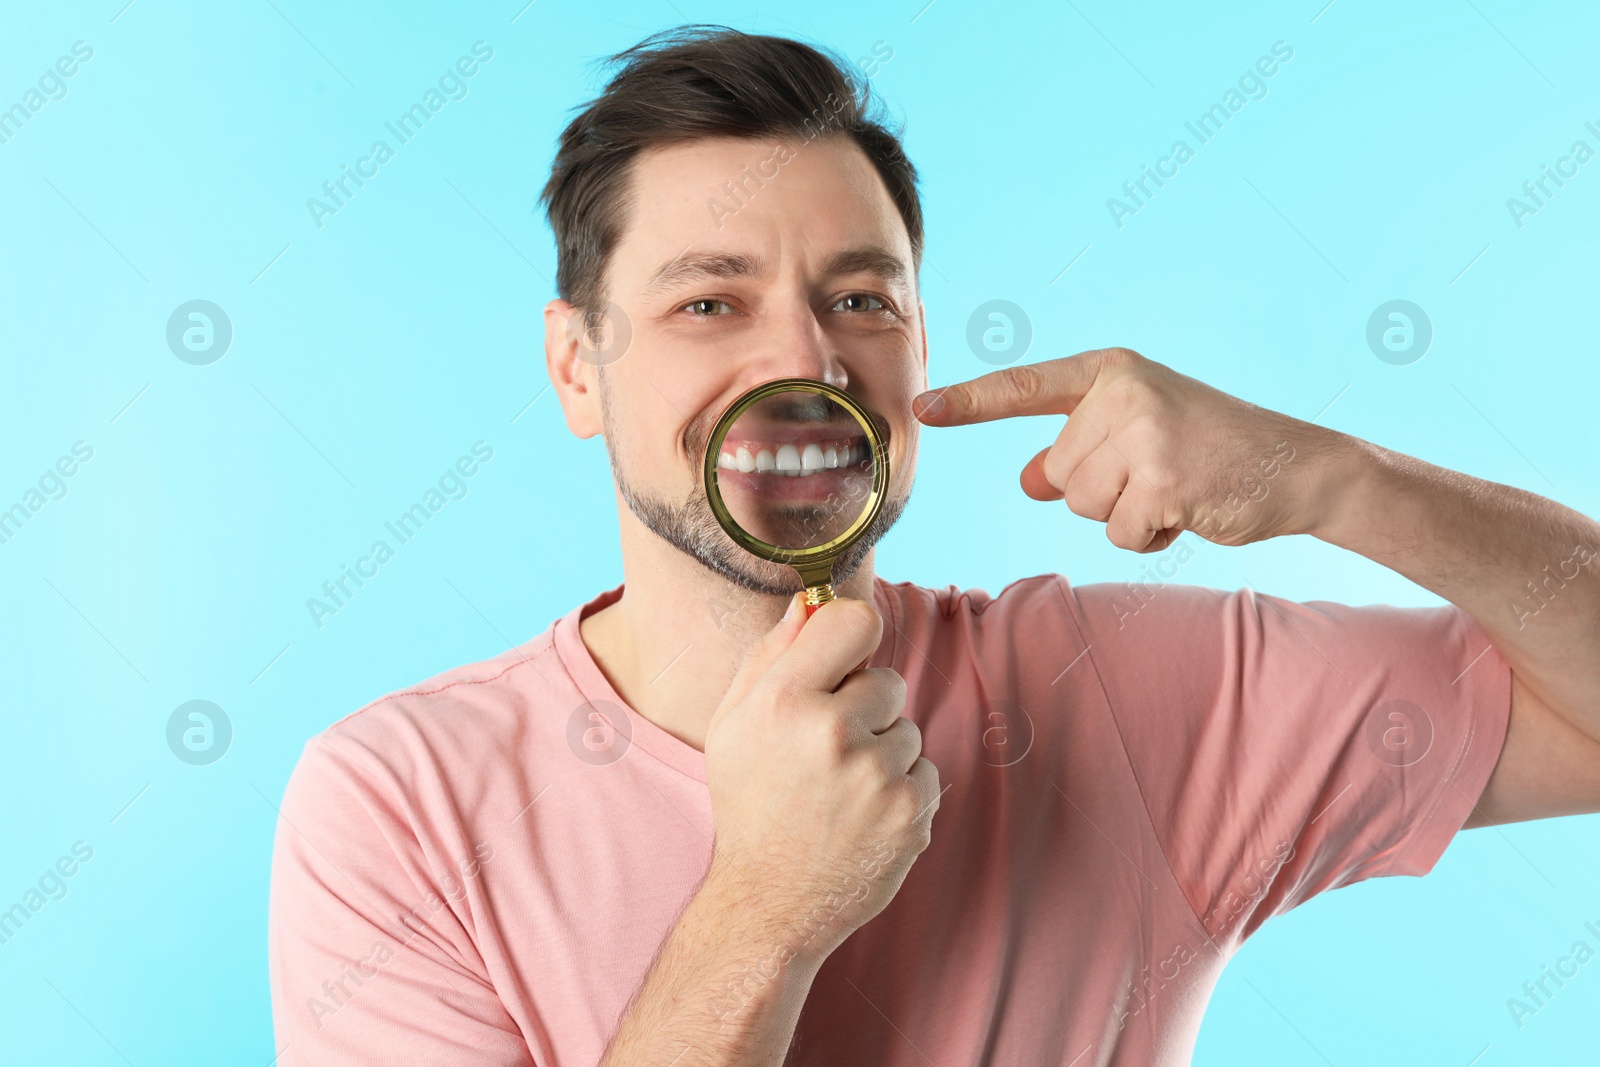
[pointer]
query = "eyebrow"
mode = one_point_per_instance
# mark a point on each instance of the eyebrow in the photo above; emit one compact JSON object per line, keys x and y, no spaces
{"x":868,"y":260}
{"x":687,"y":267}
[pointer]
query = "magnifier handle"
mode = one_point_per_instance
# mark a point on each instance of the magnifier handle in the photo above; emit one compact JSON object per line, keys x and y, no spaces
{"x":816,"y":596}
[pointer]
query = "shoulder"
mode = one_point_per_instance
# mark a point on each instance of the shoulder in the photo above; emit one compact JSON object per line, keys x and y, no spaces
{"x":430,"y":730}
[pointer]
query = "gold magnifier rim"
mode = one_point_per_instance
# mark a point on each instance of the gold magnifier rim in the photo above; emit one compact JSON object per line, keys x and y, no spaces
{"x":828,"y":550}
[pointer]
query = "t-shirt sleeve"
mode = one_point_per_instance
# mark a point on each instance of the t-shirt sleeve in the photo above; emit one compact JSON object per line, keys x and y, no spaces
{"x":370,"y":958}
{"x":1283,"y":748}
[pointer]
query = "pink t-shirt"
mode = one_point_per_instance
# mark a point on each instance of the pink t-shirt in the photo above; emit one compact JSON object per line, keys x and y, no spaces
{"x":476,"y":870}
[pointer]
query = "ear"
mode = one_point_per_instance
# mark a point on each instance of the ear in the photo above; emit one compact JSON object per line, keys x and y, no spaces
{"x":575,"y":379}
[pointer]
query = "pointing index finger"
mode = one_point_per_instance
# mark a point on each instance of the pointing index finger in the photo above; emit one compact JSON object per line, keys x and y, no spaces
{"x":1053,"y":387}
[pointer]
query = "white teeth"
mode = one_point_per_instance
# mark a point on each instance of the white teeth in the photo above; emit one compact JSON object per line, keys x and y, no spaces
{"x":794,"y":460}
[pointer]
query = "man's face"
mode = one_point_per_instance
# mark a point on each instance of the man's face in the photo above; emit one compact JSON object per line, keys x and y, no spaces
{"x":803,"y":270}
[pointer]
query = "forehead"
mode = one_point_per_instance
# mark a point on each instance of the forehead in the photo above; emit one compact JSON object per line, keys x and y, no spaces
{"x":777,"y":198}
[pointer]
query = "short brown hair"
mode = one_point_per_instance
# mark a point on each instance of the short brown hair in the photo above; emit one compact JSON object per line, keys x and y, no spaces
{"x":703,"y":81}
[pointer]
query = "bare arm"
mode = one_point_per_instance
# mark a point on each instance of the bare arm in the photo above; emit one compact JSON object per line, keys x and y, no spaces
{"x":722,"y":990}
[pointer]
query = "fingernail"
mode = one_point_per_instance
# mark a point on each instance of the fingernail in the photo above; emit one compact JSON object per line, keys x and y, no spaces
{"x":789,"y":612}
{"x":928,"y":404}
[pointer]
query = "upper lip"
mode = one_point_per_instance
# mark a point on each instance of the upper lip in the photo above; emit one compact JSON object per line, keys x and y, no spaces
{"x":794,"y":435}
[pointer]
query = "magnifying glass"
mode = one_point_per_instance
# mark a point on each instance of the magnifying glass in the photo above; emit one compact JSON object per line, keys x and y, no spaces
{"x":796,"y":470}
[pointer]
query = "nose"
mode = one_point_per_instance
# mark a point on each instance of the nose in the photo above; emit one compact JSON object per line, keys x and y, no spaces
{"x":793,"y":344}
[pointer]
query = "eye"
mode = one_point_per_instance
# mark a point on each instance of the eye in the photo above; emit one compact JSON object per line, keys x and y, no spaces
{"x":707,"y":307}
{"x":860,"y":302}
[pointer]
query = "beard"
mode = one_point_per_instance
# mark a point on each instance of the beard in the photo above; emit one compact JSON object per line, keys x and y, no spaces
{"x":690,"y":526}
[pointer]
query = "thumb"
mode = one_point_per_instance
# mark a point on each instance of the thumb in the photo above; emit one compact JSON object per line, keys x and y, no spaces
{"x":761,"y":656}
{"x":1034,"y":482}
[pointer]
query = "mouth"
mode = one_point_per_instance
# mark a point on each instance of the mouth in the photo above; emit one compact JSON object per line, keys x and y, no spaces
{"x":795,"y":470}
{"x":755,"y":474}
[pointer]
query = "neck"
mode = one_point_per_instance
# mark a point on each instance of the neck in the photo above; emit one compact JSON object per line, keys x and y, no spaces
{"x":671,"y":644}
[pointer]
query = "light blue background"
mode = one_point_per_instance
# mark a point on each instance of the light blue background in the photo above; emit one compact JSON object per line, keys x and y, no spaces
{"x":370,"y":353}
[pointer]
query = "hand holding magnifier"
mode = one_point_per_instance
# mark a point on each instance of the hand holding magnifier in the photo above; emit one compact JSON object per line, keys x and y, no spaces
{"x":795,"y":471}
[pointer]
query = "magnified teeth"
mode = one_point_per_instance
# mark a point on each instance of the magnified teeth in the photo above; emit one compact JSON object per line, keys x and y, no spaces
{"x":793,"y":459}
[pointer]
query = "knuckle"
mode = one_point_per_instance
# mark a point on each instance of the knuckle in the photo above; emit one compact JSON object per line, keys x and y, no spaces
{"x":1076,"y":480}
{"x":1162,"y":478}
{"x":1148,"y":424}
{"x":912,"y":731}
{"x":783,"y":692}
{"x":1021,"y":386}
{"x":924,"y":835}
{"x":917,"y":798}
{"x":891,"y":684}
{"x":954,"y":401}
{"x":904,"y":735}
{"x":1055,"y":468}
{"x":1079,"y":503}
{"x":838,"y":734}
{"x":1122,"y":538}
{"x":1131,"y":393}
{"x":905,"y":804}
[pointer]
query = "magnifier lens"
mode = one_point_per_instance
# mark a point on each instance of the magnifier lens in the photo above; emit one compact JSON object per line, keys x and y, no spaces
{"x":796,"y":469}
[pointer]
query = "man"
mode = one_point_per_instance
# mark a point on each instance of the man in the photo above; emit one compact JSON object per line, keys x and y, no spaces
{"x":680,"y":827}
